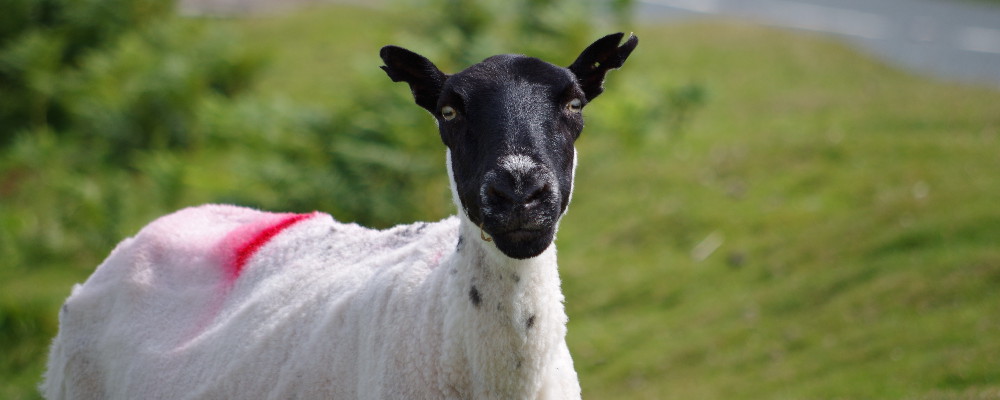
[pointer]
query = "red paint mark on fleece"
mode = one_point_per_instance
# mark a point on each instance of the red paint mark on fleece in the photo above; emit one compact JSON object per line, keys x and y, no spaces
{"x":243,"y":242}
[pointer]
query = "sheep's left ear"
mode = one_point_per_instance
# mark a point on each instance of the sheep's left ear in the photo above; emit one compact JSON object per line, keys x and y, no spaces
{"x":425,"y":79}
{"x":600,"y":57}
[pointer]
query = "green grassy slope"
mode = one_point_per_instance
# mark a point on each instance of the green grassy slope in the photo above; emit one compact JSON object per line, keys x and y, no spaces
{"x":316,"y":52}
{"x":826,"y":227}
{"x":853,"y":214}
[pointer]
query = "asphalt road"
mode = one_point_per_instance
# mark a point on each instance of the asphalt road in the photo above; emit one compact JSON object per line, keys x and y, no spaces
{"x":951,"y":39}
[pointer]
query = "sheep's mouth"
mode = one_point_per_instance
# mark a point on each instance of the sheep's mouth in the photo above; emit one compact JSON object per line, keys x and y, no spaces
{"x":523,"y":243}
{"x":523,"y":234}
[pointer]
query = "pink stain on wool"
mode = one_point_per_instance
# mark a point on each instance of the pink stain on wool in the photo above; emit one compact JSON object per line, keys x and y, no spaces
{"x":242,"y":243}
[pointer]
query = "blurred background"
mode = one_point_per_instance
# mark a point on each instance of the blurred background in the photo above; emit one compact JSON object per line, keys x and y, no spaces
{"x":775,"y":199}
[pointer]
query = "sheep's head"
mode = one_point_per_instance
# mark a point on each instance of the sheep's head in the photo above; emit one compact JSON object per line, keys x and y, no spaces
{"x":510,"y":123}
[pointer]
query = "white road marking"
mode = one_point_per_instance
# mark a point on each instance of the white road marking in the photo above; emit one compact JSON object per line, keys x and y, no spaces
{"x":979,"y":39}
{"x":702,"y":6}
{"x":827,"y":19}
{"x":791,"y":14}
{"x":920,"y":38}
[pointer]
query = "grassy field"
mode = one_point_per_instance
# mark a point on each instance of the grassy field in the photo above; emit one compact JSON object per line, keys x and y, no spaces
{"x":852,"y":218}
{"x":825,"y":227}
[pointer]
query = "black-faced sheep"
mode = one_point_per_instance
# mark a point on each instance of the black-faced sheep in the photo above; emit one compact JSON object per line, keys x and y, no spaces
{"x":222,"y":302}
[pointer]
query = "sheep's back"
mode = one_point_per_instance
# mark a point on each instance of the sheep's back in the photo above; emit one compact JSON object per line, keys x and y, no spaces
{"x":220,"y":300}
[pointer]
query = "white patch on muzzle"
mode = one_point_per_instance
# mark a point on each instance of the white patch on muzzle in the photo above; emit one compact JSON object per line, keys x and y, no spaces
{"x":517,"y":164}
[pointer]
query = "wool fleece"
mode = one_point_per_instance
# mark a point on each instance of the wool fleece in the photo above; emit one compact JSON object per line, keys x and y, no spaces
{"x":221,"y":301}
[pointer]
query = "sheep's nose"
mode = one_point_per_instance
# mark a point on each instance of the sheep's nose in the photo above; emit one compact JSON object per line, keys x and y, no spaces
{"x":517,"y":192}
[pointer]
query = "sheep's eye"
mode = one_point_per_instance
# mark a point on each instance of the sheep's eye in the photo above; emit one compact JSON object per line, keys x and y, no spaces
{"x":574,"y":105}
{"x":448,"y":113}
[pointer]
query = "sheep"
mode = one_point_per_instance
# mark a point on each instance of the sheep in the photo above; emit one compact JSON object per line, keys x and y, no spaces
{"x":225,"y":302}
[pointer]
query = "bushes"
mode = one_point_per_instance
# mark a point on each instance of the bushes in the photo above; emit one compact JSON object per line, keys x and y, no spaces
{"x":43,"y":45}
{"x":114,"y":113}
{"x":89,"y":90}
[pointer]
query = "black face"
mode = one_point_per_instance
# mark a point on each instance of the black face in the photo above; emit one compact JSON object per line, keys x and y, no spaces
{"x":510,"y":123}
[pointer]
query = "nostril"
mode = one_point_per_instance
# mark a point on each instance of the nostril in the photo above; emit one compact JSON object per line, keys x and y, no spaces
{"x":538,"y":194}
{"x":498,"y":194}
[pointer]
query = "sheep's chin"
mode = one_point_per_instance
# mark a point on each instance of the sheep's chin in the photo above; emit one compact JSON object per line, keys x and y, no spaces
{"x":524,"y":244}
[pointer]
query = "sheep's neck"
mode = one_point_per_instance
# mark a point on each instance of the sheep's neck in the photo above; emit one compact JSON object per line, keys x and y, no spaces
{"x":508,"y":313}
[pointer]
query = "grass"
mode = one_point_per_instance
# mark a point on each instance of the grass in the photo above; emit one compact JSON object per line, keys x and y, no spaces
{"x":853,"y":217}
{"x":316,"y":53}
{"x":825,"y":227}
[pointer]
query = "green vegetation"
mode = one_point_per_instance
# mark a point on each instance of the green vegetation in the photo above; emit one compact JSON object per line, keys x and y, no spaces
{"x":852,"y":220}
{"x":758,"y":214}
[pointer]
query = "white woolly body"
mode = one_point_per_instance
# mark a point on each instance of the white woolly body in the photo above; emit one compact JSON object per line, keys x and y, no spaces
{"x":322,"y":310}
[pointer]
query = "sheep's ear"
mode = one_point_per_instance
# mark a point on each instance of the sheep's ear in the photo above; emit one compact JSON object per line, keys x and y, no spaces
{"x":600,"y":57}
{"x":425,"y":79}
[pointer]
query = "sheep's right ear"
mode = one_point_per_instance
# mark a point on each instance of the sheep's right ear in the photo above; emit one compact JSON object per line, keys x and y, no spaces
{"x":425,"y":79}
{"x":600,"y":57}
